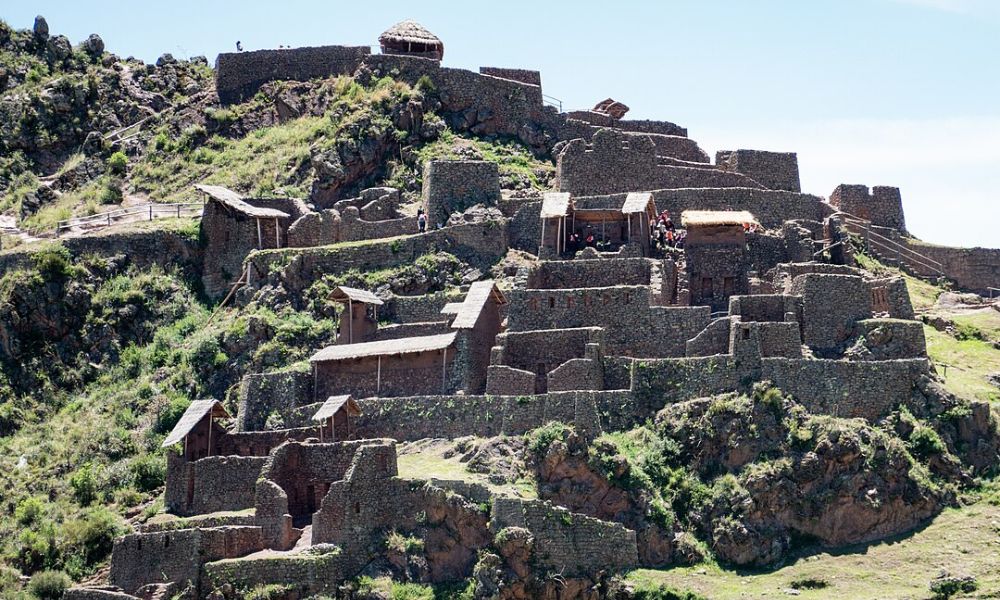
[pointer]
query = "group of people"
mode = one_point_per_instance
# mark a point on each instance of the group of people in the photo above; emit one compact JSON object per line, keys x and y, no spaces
{"x":664,"y":234}
{"x":575,"y":241}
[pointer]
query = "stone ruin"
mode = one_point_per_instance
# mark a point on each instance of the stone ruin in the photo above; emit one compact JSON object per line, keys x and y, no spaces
{"x":600,"y":336}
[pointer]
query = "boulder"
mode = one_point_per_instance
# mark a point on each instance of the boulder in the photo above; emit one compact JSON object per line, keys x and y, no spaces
{"x":166,"y":59}
{"x":93,"y":45}
{"x":58,"y":48}
{"x":41,"y":28}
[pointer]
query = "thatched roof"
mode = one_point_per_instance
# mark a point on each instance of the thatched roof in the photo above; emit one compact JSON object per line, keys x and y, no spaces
{"x":234,"y":201}
{"x":343,"y":293}
{"x":409,"y":32}
{"x":411,"y":345}
{"x":637,"y":202}
{"x":479,"y":293}
{"x":335,"y":403}
{"x":707,"y":218}
{"x":197,"y":411}
{"x":555,"y":204}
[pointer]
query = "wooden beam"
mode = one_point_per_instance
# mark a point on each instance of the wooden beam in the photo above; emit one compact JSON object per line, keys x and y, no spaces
{"x":260,"y":236}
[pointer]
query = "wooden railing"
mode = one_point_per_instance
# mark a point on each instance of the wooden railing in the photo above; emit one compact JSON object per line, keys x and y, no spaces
{"x":132,"y":214}
{"x":890,"y":248}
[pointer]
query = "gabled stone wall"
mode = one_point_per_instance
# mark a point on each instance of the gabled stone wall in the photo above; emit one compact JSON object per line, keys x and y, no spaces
{"x":238,"y":75}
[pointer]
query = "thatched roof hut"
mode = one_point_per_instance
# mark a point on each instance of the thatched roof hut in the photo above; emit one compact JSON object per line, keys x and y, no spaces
{"x":411,"y":38}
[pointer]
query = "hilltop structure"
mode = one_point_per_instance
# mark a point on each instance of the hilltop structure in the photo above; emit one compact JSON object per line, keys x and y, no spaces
{"x":615,"y":320}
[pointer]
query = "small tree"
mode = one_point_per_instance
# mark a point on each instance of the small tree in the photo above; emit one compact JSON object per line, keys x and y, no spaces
{"x":49,"y":585}
{"x":117,"y":163}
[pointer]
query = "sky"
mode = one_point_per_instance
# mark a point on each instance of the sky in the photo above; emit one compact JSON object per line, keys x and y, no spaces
{"x":880,"y":92}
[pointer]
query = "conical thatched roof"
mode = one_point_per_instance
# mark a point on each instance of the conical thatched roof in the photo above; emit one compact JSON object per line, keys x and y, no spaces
{"x":409,"y":32}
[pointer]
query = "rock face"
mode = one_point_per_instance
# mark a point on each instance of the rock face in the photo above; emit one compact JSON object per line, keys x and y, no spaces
{"x":93,"y":45}
{"x":772,"y":476}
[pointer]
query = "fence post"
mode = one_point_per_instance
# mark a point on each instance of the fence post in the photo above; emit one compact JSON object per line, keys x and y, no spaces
{"x":150,"y":212}
{"x":178,"y":210}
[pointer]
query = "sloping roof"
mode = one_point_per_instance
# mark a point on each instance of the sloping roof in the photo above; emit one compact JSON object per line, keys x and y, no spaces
{"x":479,"y":293}
{"x":409,"y":31}
{"x":333,"y":404}
{"x":235,"y":202}
{"x":342,"y":293}
{"x":452,"y":308}
{"x":695,"y":218}
{"x":636,"y":202}
{"x":197,"y":411}
{"x":410,"y":345}
{"x":555,"y":204}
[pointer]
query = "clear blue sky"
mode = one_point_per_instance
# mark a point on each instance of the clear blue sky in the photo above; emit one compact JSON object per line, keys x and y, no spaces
{"x":881,"y":92}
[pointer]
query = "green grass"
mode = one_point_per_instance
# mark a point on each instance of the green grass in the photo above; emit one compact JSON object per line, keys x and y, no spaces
{"x":960,"y":541}
{"x":968,"y":363}
{"x":429,"y":462}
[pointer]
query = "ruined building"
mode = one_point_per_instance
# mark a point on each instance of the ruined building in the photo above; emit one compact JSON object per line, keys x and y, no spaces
{"x":603,"y":330}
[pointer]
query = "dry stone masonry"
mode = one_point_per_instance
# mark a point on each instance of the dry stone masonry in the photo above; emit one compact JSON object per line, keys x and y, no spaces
{"x":600,"y":326}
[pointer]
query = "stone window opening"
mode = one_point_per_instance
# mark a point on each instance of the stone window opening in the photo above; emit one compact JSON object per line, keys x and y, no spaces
{"x":586,"y":300}
{"x":569,"y":301}
{"x":166,"y":541}
{"x":552,"y":302}
{"x":626,"y":298}
{"x":729,"y":286}
{"x":706,"y":287}
{"x":357,"y":508}
{"x":746,"y":333}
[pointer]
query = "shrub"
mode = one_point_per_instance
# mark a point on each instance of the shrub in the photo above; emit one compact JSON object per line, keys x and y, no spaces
{"x":112,"y":192}
{"x":91,"y":536}
{"x":49,"y":585}
{"x":170,"y":414}
{"x":117,"y":163}
{"x":425,"y":84}
{"x":541,"y":438}
{"x":404,"y":544}
{"x":148,"y":472}
{"x":28,"y":510}
{"x":84,"y":485}
{"x":925,"y":442}
{"x":271,"y":591}
{"x":53,"y":262}
{"x":649,"y":591}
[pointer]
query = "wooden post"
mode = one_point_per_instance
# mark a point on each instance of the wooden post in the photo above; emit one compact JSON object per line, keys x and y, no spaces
{"x":210,"y":431}
{"x":350,"y":321}
{"x":444,"y":369}
{"x":277,"y":234}
{"x":321,"y":431}
{"x":315,"y":383}
{"x":178,"y":210}
{"x":558,"y":234}
{"x":260,"y":237}
{"x":378,"y":377}
{"x":150,"y":212}
{"x":543,"y":231}
{"x":630,"y":228}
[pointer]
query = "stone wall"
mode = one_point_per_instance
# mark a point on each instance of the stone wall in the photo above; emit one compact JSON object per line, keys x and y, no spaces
{"x":239,"y":75}
{"x":414,"y":418}
{"x":303,"y":574}
{"x":714,"y":339}
{"x":835,"y":387}
{"x":870,"y":390}
{"x":632,"y":326}
{"x":617,"y":162}
{"x":589,"y":273}
{"x":429,"y":372}
{"x":773,"y":170}
{"x":972,"y":269}
{"x":883,"y":206}
{"x":260,"y":394}
{"x":479,"y":244}
{"x":522,"y":75}
{"x":766,"y":307}
{"x":771,"y":207}
{"x":568,"y":543}
{"x":139,"y":559}
{"x":831,"y":305}
{"x":892,"y":296}
{"x":888,"y":339}
{"x":454,"y":185}
{"x":211,"y":484}
{"x":141,"y":249}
